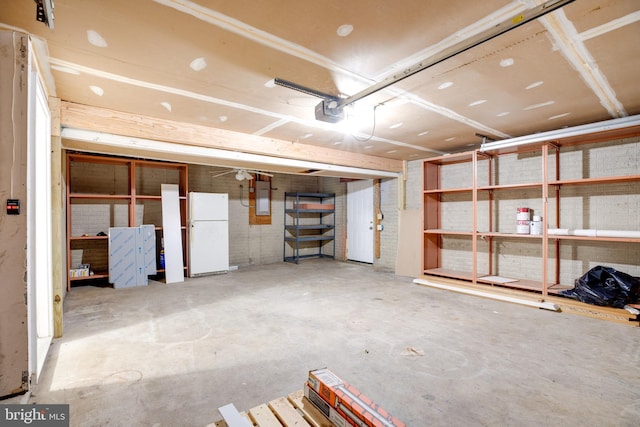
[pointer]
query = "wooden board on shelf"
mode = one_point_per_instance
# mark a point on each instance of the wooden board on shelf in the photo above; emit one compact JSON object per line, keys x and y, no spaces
{"x":497,"y":279}
{"x":591,"y":181}
{"x":448,"y":190}
{"x":451,"y":232}
{"x":522,"y":284}
{"x":98,"y":275}
{"x":510,"y":186}
{"x":484,"y":234}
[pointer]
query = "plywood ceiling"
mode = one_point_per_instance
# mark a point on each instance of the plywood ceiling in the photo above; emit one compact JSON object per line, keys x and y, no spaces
{"x":211,"y":62}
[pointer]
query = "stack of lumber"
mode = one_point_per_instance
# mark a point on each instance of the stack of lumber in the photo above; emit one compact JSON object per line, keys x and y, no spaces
{"x":291,"y":411}
{"x":627,"y":316}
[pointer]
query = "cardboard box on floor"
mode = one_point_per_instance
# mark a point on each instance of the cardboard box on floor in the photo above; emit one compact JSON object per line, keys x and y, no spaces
{"x":328,"y":411}
{"x":346,"y":401}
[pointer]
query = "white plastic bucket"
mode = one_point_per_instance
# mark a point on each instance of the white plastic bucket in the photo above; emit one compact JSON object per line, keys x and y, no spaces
{"x":536,"y":225}
{"x":523,"y":227}
{"x":523,"y":223}
{"x":523,"y":214}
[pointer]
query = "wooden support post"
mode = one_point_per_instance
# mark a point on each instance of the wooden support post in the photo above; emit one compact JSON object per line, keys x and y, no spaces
{"x":58,"y":260}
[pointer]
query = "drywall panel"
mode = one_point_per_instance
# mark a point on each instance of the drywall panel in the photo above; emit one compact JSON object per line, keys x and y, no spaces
{"x":149,"y":239}
{"x":174,"y":262}
{"x":123,"y":266}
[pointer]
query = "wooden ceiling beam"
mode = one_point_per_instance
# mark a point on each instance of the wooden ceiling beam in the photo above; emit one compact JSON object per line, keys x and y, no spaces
{"x":98,"y":119}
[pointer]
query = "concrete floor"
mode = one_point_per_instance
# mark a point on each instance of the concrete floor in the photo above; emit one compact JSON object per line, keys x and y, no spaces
{"x":170,"y":355}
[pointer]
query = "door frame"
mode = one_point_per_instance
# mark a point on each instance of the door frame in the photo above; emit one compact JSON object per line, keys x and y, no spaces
{"x":39,"y":227}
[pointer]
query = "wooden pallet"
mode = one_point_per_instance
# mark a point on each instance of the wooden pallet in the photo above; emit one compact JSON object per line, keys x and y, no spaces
{"x":566,"y":305}
{"x":291,"y":411}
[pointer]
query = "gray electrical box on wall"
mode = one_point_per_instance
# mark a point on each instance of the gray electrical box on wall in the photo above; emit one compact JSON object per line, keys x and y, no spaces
{"x":263,"y":198}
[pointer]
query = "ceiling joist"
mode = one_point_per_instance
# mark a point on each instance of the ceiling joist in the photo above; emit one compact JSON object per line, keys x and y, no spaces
{"x":114,"y":122}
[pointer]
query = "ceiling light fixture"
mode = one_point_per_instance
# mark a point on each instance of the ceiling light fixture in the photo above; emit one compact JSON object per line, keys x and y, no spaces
{"x":241,"y":174}
{"x":355,"y":119}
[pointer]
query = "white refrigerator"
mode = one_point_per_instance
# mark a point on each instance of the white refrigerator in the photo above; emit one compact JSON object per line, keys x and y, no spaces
{"x":208,"y":233}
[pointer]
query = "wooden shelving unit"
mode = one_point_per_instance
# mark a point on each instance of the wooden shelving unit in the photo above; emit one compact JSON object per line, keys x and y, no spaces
{"x":466,"y":195}
{"x":309,"y":224}
{"x":105,"y":192}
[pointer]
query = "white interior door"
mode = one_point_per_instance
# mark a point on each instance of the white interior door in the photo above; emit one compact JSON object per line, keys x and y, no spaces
{"x":39,"y":257}
{"x":360,"y":224}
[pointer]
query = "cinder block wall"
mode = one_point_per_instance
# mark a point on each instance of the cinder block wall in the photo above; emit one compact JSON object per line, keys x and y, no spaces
{"x":263,"y":244}
{"x":601,"y":207}
{"x":389,"y":235}
{"x":611,"y":206}
{"x":413,"y":197}
{"x":604,"y":206}
{"x":249,"y":244}
{"x":333,"y":185}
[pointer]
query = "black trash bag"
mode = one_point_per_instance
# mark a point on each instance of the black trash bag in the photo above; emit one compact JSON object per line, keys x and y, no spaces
{"x":605,"y":286}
